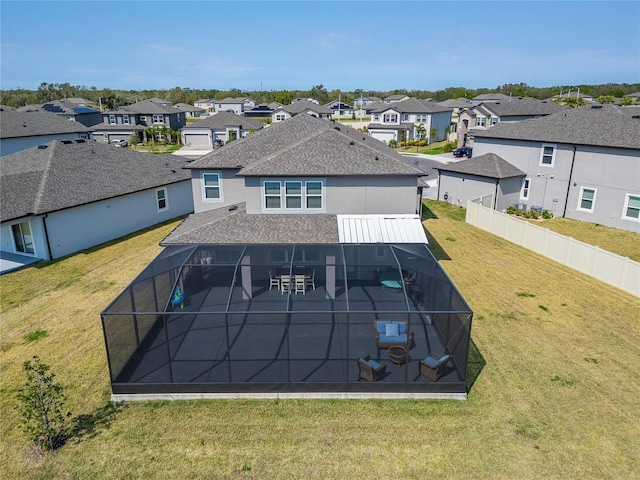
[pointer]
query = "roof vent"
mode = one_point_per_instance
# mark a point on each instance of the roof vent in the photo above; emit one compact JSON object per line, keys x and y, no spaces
{"x":233,"y":207}
{"x":596,"y":107}
{"x":337,"y":128}
{"x":80,"y":140}
{"x":67,"y":142}
{"x":352,"y":142}
{"x":377,"y":157}
{"x":42,"y":147}
{"x":636,"y":117}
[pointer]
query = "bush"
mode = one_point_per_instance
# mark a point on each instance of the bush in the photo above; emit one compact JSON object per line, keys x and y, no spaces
{"x":546,"y":214}
{"x":450,"y":146}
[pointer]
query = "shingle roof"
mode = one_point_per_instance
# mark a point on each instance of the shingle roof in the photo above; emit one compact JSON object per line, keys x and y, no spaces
{"x":62,"y":175}
{"x":488,"y":165}
{"x":455,"y":103}
{"x":305,"y":145}
{"x":602,"y":125}
{"x":491,"y":96}
{"x":304,"y":105}
{"x":146,"y":107}
{"x":224,"y":226}
{"x":30,"y":124}
{"x":523,"y":106}
{"x":411,"y":105}
{"x":221,"y":120}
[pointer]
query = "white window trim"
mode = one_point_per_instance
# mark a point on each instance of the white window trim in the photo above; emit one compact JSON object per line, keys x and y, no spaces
{"x":204,"y":188}
{"x":166,"y":199}
{"x":526,"y":183}
{"x":112,"y":119}
{"x":283,"y":195}
{"x":155,"y":119}
{"x":580,"y":208}
{"x":626,"y":206}
{"x":15,"y":244}
{"x":553,"y":155}
{"x":125,"y":119}
{"x":484,"y":123}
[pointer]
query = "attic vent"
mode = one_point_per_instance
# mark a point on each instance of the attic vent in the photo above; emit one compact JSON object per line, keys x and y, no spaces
{"x":637,"y":117}
{"x":596,"y":107}
{"x":80,"y":140}
{"x":377,"y":157}
{"x":67,"y":142}
{"x":42,"y":147}
{"x":337,"y":128}
{"x":352,"y":142}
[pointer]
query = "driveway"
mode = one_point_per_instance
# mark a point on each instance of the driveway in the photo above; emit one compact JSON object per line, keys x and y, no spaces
{"x":428,"y":164}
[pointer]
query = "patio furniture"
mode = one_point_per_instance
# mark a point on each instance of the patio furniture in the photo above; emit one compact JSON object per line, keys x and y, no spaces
{"x":273,"y":280}
{"x":433,"y":366}
{"x":310,"y":281}
{"x":392,"y":332}
{"x":398,"y":354}
{"x":370,"y":370}
{"x":178,"y":297}
{"x":391,"y":280}
{"x":299,"y":284}
{"x":285,"y":284}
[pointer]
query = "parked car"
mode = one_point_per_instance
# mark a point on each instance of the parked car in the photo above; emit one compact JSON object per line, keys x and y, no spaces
{"x":463,"y":152}
{"x":120,"y":143}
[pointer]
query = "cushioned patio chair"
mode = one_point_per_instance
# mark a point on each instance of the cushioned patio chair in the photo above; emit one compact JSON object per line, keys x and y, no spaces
{"x":369,"y":369}
{"x":392,"y":332}
{"x":433,"y":366}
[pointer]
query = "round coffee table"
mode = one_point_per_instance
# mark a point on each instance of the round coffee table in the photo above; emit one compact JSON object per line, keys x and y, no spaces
{"x":398,"y":354}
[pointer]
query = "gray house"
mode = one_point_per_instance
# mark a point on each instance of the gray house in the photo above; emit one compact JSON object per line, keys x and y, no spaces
{"x":25,"y":130}
{"x":581,"y":163}
{"x":487,"y":177}
{"x":69,"y":110}
{"x":65,"y":196}
{"x":222,"y":126}
{"x":300,"y":106}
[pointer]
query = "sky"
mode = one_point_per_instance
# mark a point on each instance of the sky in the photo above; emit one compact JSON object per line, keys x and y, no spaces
{"x":295,"y":45}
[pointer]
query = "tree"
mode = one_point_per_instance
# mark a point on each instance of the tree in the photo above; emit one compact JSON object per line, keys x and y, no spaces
{"x":433,"y":134}
{"x":42,"y":402}
{"x":421,"y":131}
{"x":607,"y":99}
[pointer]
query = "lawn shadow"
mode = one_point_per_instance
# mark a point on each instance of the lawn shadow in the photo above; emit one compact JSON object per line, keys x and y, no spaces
{"x":434,"y":246}
{"x":90,"y":424}
{"x":475,"y":365}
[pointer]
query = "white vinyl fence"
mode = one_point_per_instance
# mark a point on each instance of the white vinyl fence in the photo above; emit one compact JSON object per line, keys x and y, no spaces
{"x":608,"y":267}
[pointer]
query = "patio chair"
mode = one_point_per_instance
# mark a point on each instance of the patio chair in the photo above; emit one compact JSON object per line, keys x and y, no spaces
{"x":299,"y":284}
{"x":311,"y":281}
{"x":285,"y":284}
{"x":370,"y":370}
{"x":273,"y":281}
{"x":433,"y":366}
{"x":392,"y":332}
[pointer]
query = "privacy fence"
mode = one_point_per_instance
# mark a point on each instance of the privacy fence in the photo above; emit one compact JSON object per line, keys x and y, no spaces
{"x":621,"y":272}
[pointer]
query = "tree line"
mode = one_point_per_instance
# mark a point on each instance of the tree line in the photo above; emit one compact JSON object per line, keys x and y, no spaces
{"x":110,"y":98}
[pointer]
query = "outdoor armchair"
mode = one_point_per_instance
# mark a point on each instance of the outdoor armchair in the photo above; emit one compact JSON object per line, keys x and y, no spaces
{"x":369,"y":369}
{"x":433,"y":366}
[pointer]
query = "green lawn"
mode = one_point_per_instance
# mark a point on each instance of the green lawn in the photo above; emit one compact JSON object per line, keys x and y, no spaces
{"x":553,"y":391}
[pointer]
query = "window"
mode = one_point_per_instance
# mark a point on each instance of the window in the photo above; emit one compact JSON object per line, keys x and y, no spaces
{"x":405,"y":117}
{"x":280,"y":117}
{"x":211,"y":185}
{"x":112,"y":119}
{"x":524,"y":193}
{"x":314,"y":195}
{"x":547,"y":155}
{"x":158,"y":118}
{"x":376,"y":117}
{"x":587,"y":199}
{"x":272,"y":195}
{"x":293,"y":194}
{"x":161,"y":198}
{"x":143,"y":119}
{"x":125,"y":119}
{"x":22,"y":238}
{"x":421,"y":117}
{"x":481,"y":121}
{"x":494,"y":120}
{"x":632,"y":208}
{"x":390,"y":118}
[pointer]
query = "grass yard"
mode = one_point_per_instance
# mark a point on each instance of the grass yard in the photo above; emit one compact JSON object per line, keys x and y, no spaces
{"x":556,"y":397}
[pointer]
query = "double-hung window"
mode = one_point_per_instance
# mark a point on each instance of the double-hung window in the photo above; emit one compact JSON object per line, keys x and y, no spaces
{"x":494,"y":120}
{"x":293,"y":195}
{"x":376,"y":117}
{"x":125,"y":119}
{"x":631,"y":208}
{"x":112,"y":119}
{"x":548,"y":155}
{"x":587,"y":199}
{"x":405,"y":117}
{"x":526,"y":185}
{"x":314,"y":195}
{"x":211,"y":187}
{"x":481,"y":121}
{"x":280,"y":117}
{"x":161,"y":199}
{"x":390,"y":118}
{"x":158,"y":119}
{"x":272,"y":195}
{"x":22,"y":238}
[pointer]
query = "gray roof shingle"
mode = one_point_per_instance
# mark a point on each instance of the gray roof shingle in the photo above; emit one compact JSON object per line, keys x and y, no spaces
{"x":305,"y":145}
{"x":224,"y":226}
{"x":523,"y":107}
{"x":488,"y":165}
{"x":67,"y":174}
{"x":602,"y":125}
{"x":221,"y":120}
{"x":411,"y":105}
{"x":32,"y":124}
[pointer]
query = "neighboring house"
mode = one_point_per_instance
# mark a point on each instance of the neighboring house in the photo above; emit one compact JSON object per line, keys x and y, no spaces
{"x":401,"y":121}
{"x":396,"y":98}
{"x":263,"y":110}
{"x":190,"y":110}
{"x":222,"y":127}
{"x":364,"y":101}
{"x":634,"y":96}
{"x":486,"y":115}
{"x":489,"y":98}
{"x":488,"y":176}
{"x":65,"y":196}
{"x":299,"y":99}
{"x":83,"y":102}
{"x":308,"y":200}
{"x":300,"y":106}
{"x":234,"y":105}
{"x":573,"y":94}
{"x":456,"y":105}
{"x":340,"y":109}
{"x":68,"y":110}
{"x":122,"y":122}
{"x":581,"y":163}
{"x":25,"y":130}
{"x":209,"y":104}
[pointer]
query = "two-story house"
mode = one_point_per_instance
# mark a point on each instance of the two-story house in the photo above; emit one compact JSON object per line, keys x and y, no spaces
{"x":209,"y":104}
{"x":68,"y":110}
{"x":25,"y":130}
{"x":581,"y":163}
{"x":234,"y":105}
{"x":305,"y":242}
{"x":457,"y":105}
{"x":300,"y":106}
{"x":123,"y":122}
{"x":218,"y":128}
{"x":408,"y":120}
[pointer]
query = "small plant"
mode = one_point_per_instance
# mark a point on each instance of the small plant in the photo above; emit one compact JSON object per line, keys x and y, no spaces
{"x":450,"y":239}
{"x":546,"y":214}
{"x":42,"y":403}
{"x":35,"y":335}
{"x":543,"y":308}
{"x":565,"y":382}
{"x":525,"y":294}
{"x":590,"y":360}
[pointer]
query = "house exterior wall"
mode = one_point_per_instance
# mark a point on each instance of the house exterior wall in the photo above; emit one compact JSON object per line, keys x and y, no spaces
{"x":233,"y":190}
{"x":612,"y":172}
{"x":13,"y":145}
{"x":37,"y":232}
{"x":457,"y":188}
{"x":236,"y":108}
{"x":440,"y":121}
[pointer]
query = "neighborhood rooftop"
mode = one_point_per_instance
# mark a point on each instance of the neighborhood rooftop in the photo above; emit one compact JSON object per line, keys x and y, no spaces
{"x":488,"y":165}
{"x":27,"y":124}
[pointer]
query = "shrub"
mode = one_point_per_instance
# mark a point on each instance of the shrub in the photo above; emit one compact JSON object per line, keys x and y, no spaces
{"x":546,"y":214}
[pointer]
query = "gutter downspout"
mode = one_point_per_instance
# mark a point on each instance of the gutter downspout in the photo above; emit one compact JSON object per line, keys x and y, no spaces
{"x":46,"y":237}
{"x":566,"y":200}
{"x":495,"y":202}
